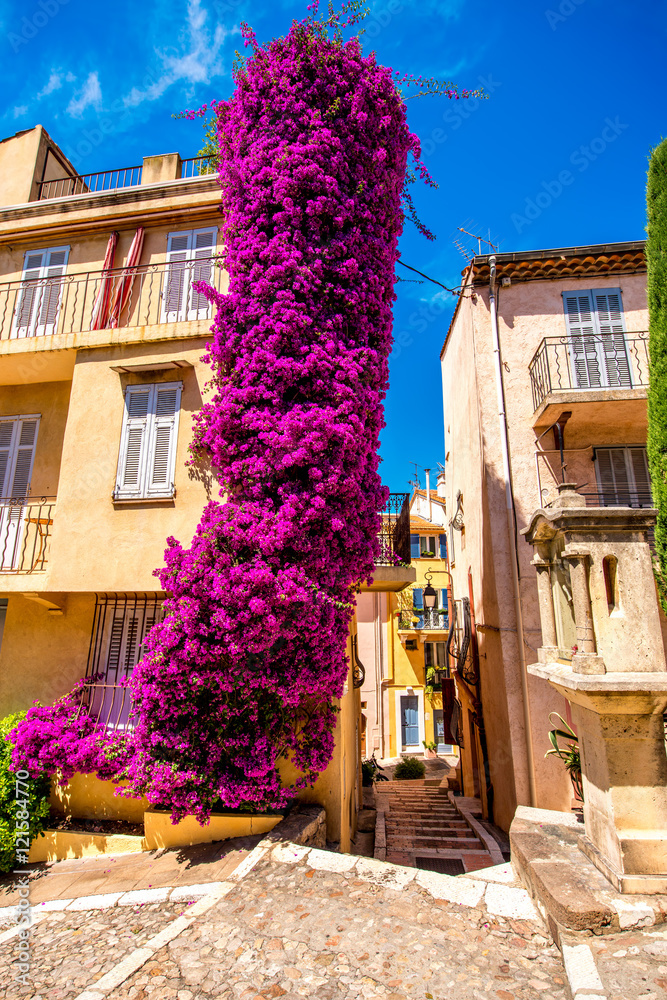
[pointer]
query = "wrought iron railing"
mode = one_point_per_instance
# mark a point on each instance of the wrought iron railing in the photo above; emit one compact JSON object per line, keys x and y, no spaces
{"x":25,"y":534}
{"x":419,"y":618}
{"x":395,"y":532}
{"x":616,"y":498}
{"x":71,"y":303}
{"x":613,"y":361}
{"x":106,"y":180}
{"x":120,"y":626}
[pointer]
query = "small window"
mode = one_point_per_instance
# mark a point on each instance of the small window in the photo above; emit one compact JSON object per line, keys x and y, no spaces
{"x":435,"y":655}
{"x":38,"y":300}
{"x":147,"y":457}
{"x":189,"y":259}
{"x":427,"y":547}
{"x":18,"y":438}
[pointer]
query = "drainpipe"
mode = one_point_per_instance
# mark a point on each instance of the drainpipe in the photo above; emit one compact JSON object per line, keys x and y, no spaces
{"x":511,"y":528}
{"x":428,"y":493}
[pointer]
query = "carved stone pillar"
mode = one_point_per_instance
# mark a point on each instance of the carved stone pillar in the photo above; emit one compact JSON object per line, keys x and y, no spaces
{"x":585,"y":660}
{"x":549,"y":648}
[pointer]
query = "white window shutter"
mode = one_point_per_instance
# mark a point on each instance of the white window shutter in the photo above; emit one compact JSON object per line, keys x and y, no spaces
{"x":584,"y":355}
{"x":29,"y":293}
{"x":175,"y":295}
{"x":611,"y":327}
{"x":7,"y":430}
{"x":163,"y":439}
{"x":203,"y":248}
{"x":26,"y":439}
{"x":134,"y":441}
{"x":54,"y":269}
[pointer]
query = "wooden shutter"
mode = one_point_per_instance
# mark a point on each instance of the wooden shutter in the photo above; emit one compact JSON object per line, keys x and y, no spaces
{"x":443,"y":546}
{"x":642,"y":480}
{"x":418,"y":597}
{"x":130,"y":480}
{"x":175,"y":295}
{"x":29,"y":293}
{"x":612,"y":474}
{"x":26,"y":438}
{"x":611,"y":328}
{"x":54,"y":269}
{"x":39,"y":299}
{"x":414,"y":546}
{"x":7,"y":428}
{"x":444,"y":599}
{"x":583,"y":347}
{"x":203,"y":247}
{"x":163,"y":438}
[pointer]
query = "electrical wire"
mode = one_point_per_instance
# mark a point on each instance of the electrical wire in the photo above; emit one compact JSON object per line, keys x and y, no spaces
{"x":455,"y":291}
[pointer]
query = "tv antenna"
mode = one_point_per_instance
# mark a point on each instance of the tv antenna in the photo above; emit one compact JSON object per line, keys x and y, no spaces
{"x":415,"y":482}
{"x":480,"y":240}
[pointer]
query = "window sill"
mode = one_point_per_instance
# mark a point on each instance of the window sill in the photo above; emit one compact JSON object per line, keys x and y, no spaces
{"x":124,"y":501}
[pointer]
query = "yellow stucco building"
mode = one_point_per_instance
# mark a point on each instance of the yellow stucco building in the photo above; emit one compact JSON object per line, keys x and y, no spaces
{"x":403,"y":642}
{"x":101,"y":341}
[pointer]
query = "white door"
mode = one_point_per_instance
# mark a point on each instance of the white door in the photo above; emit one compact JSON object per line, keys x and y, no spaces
{"x":18,"y":437}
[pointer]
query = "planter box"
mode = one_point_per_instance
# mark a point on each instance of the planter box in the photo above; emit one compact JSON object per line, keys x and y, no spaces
{"x":57,"y":845}
{"x":161,"y":832}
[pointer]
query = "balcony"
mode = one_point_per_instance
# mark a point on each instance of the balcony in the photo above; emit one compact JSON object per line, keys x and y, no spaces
{"x":113,"y":180}
{"x":588,"y":369}
{"x":392,"y":564}
{"x":146,"y":295}
{"x":25,"y":534}
{"x":419,"y":619}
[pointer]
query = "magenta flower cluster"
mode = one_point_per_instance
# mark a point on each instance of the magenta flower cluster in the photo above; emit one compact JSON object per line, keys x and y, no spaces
{"x":245,"y":670}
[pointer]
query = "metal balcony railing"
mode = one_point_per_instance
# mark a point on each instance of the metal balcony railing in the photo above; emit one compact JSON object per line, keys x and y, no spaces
{"x":608,"y":361}
{"x":25,"y":534}
{"x":198,"y":166}
{"x":106,"y":180}
{"x":419,"y":619}
{"x":70,"y":303}
{"x":395,"y":532}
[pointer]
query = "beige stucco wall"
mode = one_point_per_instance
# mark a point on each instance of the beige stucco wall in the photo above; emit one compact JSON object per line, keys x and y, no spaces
{"x":43,"y":655}
{"x":99,"y":544}
{"x":50,"y":401}
{"x":527,"y":312}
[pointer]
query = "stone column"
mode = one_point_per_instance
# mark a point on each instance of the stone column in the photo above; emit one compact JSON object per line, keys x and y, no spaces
{"x":585,"y":660}
{"x":549,"y":649}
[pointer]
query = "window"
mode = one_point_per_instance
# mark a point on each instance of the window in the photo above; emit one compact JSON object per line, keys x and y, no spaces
{"x":596,"y":332}
{"x":148,"y":441}
{"x":120,"y":626}
{"x":38,"y":299}
{"x":435,"y":655}
{"x":190,"y":258}
{"x":427,"y":546}
{"x":623,"y":477}
{"x":18,"y":437}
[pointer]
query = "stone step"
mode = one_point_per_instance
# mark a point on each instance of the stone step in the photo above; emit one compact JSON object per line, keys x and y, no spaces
{"x":413,"y":843}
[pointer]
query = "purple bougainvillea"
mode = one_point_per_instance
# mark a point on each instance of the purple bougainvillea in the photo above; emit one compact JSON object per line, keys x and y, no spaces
{"x":247,"y":665}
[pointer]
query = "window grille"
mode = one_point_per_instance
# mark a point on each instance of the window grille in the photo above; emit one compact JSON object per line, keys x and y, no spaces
{"x":120,"y":626}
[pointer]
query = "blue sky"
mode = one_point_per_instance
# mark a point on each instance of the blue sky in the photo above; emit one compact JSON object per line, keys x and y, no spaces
{"x":574,"y":85}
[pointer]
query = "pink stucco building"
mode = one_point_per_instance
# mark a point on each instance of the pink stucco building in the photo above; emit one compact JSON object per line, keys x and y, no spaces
{"x":545,"y":372}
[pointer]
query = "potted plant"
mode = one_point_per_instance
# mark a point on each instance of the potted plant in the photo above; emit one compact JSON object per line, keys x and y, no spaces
{"x":569,"y":754}
{"x":430,"y":748}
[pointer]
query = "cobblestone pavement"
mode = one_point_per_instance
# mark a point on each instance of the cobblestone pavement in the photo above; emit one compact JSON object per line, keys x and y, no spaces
{"x":632,"y":964}
{"x":295,"y":922}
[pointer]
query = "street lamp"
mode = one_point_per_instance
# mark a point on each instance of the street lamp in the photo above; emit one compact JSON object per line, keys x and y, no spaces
{"x":430,"y":594}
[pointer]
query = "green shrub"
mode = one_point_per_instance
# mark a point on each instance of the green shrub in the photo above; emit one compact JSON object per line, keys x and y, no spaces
{"x":656,"y":262}
{"x":409,"y":768}
{"x":32,"y":804}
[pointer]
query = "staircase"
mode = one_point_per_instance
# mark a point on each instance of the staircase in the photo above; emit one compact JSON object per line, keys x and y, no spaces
{"x":423,"y":829}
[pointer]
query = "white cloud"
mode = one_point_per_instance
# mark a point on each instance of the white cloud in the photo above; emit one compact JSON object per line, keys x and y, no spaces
{"x":20,"y":110}
{"x":198,"y":62}
{"x":55,"y":82}
{"x":90,"y":94}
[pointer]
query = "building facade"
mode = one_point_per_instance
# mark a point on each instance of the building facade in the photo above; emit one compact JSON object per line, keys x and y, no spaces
{"x":403,"y":642}
{"x":101,"y":345}
{"x":545,"y":373}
